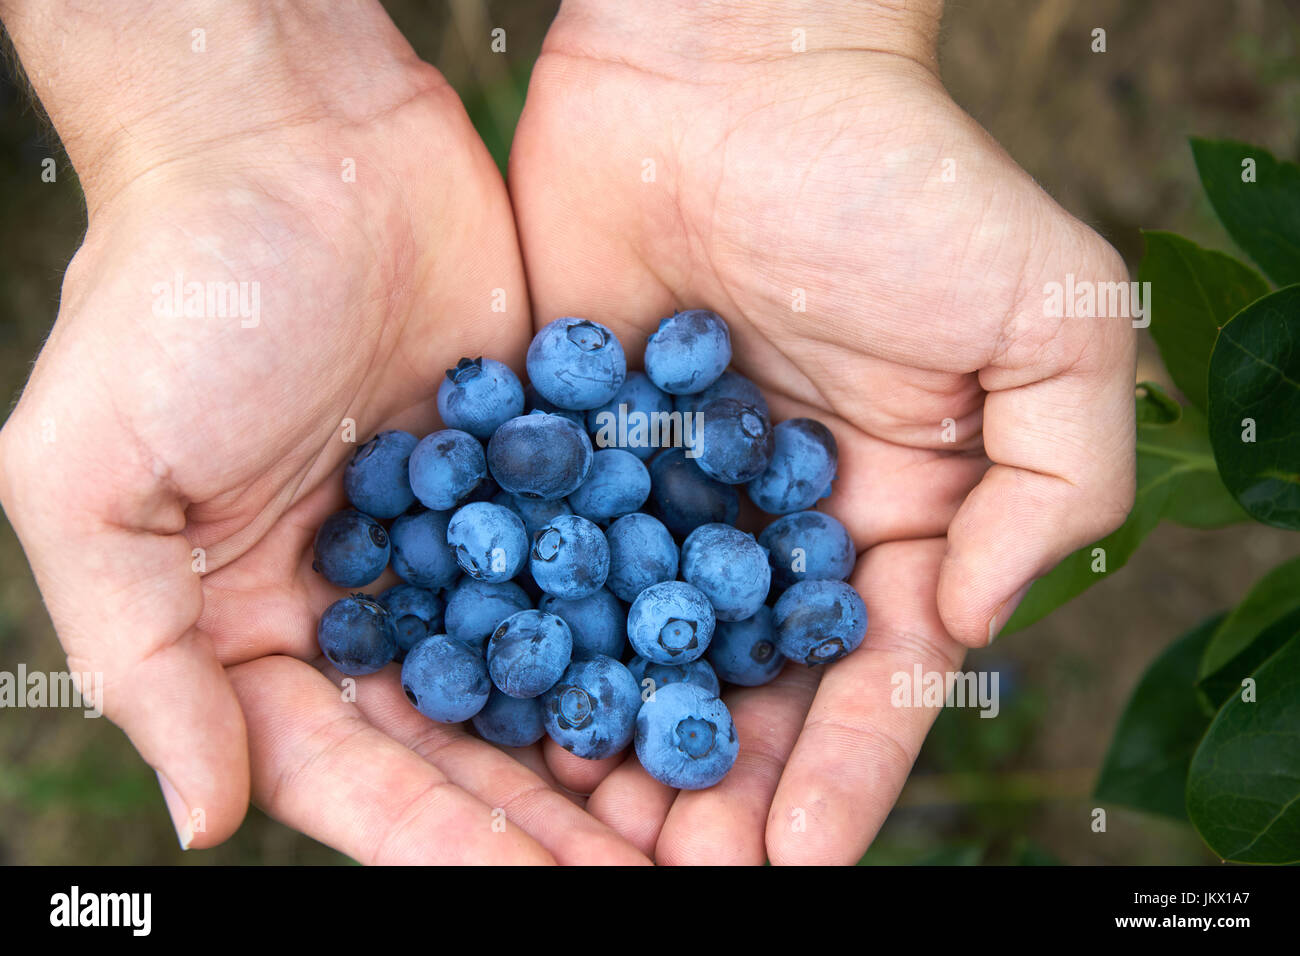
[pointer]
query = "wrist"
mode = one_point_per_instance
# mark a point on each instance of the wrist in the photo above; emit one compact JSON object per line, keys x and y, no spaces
{"x":742,"y":31}
{"x":144,"y":84}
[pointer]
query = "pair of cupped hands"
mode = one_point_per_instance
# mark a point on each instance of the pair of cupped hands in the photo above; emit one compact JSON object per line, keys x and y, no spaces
{"x":881,"y":263}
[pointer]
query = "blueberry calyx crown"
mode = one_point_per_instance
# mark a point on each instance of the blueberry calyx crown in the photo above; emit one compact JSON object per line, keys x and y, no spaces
{"x":752,"y":423}
{"x":587,"y":336}
{"x":547,"y":544}
{"x":762,"y":651}
{"x":378,"y":535}
{"x":677,"y":636}
{"x":695,"y":737}
{"x":826,"y":650}
{"x":466,"y":370}
{"x":574,"y":708}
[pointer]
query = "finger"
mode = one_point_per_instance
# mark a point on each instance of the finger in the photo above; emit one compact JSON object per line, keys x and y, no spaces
{"x":577,"y":773}
{"x":495,"y":778}
{"x":117,"y":579}
{"x":320,"y":767}
{"x":632,"y":804}
{"x":1059,"y":426}
{"x":726,"y":824}
{"x":856,"y":749}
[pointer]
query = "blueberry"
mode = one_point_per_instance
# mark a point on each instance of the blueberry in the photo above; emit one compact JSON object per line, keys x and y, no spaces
{"x":528,"y":652}
{"x":489,"y":540}
{"x":445,"y":680}
{"x":376,"y":479}
{"x":635,"y":419}
{"x":510,"y":721}
{"x":819,"y":621}
{"x":476,"y":608}
{"x":641,"y":552}
{"x":598,"y":622}
{"x":591,"y":711}
{"x":570,"y":557}
{"x":479,"y":395}
{"x":688,"y":351}
{"x":744,"y":652}
{"x":729,"y":385}
{"x":576,"y":364}
{"x":697,"y":672}
{"x":417,"y":613}
{"x":534,"y":402}
{"x":534,"y":512}
{"x":351,"y":549}
{"x":683,"y":497}
{"x":734,"y":442}
{"x":803,"y":465}
{"x":445,"y":467}
{"x":730,"y":567}
{"x":421,"y":555}
{"x":685,"y":737}
{"x":617,"y":484}
{"x":670,"y":623}
{"x":540,"y":456}
{"x":356,"y":635}
{"x":808,"y":546}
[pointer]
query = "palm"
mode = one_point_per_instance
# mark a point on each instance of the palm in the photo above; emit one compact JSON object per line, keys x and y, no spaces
{"x":865,"y":290}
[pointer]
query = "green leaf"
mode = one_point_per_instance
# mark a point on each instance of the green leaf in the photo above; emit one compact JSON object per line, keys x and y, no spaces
{"x":1194,"y":292}
{"x":1273,"y":597}
{"x":1220,"y":684}
{"x":1263,"y":217}
{"x":1176,"y":479}
{"x":1243,"y":789}
{"x":1146,"y":765}
{"x":1255,"y":394}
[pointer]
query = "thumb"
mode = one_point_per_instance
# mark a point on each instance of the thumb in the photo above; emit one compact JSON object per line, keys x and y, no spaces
{"x":102,"y":531}
{"x":1059,"y":429}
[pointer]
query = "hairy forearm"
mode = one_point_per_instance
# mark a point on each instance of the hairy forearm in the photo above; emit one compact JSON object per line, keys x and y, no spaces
{"x":138,"y":84}
{"x":745,"y":30}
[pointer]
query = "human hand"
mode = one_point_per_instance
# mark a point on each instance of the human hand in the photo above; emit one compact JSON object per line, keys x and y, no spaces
{"x":141,"y":437}
{"x":677,"y":154}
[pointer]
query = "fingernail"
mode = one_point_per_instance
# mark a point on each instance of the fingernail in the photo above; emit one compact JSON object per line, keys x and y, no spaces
{"x":180,"y":812}
{"x":1003,"y":613}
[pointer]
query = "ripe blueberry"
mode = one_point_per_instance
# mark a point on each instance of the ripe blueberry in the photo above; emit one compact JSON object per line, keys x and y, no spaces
{"x":591,"y":711}
{"x":730,"y":567}
{"x":445,"y":680}
{"x":804,"y":460}
{"x":670,"y":623}
{"x":377,"y":480}
{"x":819,"y":621}
{"x":421,"y":555}
{"x":478,"y":395}
{"x":688,"y":351}
{"x":570,"y":557}
{"x":489,"y":540}
{"x":685,"y":737}
{"x":445,"y":467}
{"x":576,"y":364}
{"x":351,"y":549}
{"x":356,"y":635}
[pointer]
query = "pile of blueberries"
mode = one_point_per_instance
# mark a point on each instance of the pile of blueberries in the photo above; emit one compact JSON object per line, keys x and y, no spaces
{"x":537,"y":535}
